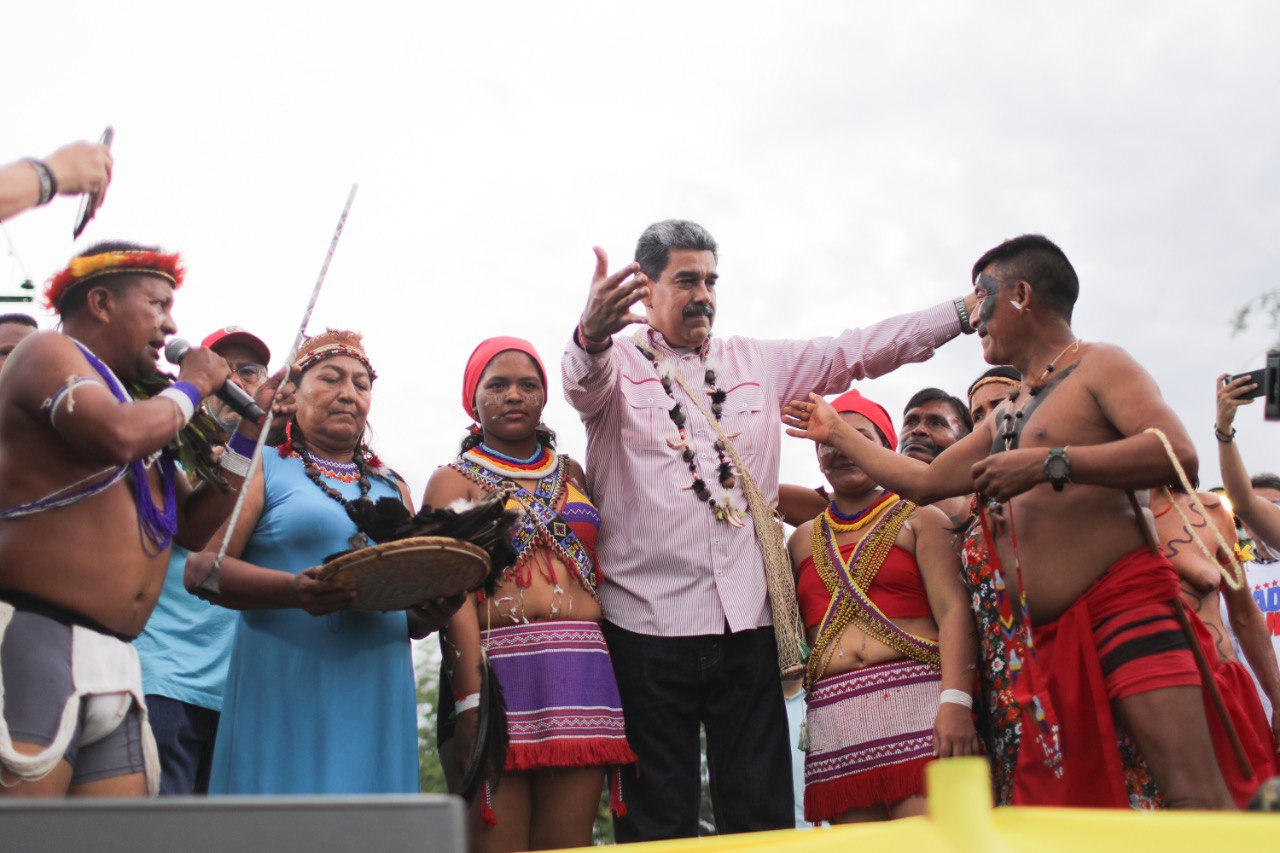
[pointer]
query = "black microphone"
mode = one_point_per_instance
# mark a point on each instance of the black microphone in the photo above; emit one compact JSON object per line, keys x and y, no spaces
{"x":230,"y":393}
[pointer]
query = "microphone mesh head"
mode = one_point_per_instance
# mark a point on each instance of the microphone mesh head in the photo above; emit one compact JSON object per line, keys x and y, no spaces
{"x":176,"y":350}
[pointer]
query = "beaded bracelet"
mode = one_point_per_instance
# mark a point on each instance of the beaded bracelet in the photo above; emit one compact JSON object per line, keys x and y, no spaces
{"x":1224,"y":437}
{"x":955,"y":697}
{"x":48,"y":183}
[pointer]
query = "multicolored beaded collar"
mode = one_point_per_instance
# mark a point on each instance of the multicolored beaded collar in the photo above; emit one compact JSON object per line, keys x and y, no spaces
{"x":541,"y":464}
{"x":343,"y":472}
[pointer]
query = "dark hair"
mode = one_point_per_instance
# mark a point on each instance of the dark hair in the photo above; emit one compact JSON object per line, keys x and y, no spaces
{"x":20,"y":319}
{"x":653,"y":250}
{"x":1265,"y":481}
{"x":930,"y":395}
{"x":1001,"y":371}
{"x":1037,"y":260}
{"x":75,"y":298}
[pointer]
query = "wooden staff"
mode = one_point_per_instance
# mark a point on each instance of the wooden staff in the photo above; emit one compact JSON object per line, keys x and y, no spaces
{"x":210,"y":581}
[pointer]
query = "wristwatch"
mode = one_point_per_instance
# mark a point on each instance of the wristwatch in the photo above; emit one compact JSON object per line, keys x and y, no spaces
{"x":962,"y":314}
{"x":1057,"y":467}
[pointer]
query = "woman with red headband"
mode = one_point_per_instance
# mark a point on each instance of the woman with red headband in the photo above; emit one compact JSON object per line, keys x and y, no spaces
{"x":540,"y":630}
{"x":890,"y":675}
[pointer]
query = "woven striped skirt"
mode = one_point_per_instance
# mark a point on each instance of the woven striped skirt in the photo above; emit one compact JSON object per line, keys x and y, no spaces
{"x":870,"y":736}
{"x":563,"y":708}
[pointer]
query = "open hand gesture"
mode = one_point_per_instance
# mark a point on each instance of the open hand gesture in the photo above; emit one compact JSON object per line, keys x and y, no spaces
{"x":611,"y":299}
{"x":815,"y":419}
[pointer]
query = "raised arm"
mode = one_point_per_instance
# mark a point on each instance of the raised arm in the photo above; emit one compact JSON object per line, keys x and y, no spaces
{"x":81,"y":167}
{"x":948,"y":475}
{"x":829,"y":365}
{"x":588,"y":367}
{"x":1262,"y":516}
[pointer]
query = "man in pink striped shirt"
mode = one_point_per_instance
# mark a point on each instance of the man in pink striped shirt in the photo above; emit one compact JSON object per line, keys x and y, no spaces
{"x":687,"y":616}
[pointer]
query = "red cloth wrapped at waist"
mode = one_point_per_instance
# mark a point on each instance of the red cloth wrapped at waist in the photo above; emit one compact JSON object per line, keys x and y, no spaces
{"x":1120,"y":638}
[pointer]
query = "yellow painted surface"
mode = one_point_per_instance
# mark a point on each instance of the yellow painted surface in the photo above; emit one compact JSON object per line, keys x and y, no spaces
{"x":962,"y":820}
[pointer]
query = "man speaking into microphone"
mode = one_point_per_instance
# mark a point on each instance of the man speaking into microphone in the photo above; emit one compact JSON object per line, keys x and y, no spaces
{"x":186,"y":646}
{"x":91,"y":502}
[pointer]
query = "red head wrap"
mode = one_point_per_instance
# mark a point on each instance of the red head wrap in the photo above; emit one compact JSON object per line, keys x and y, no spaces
{"x":852,"y":401}
{"x":480,"y":358}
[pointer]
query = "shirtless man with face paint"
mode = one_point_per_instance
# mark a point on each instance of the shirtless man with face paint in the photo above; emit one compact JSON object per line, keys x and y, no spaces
{"x":1060,"y":457}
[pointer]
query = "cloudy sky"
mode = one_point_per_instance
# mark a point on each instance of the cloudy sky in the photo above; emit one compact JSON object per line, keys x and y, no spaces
{"x":853,"y":159}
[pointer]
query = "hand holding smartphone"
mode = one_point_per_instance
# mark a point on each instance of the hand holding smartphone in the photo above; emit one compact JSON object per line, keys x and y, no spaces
{"x":89,"y":203}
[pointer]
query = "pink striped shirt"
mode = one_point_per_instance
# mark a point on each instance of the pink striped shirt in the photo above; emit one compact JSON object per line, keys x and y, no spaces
{"x":670,"y":568}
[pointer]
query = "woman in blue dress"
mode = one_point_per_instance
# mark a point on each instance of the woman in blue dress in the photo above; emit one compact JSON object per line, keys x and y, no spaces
{"x":320,"y":698}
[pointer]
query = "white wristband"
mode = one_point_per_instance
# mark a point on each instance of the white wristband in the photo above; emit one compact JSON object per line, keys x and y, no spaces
{"x":466,"y":703}
{"x":956,"y":697}
{"x":184,"y":402}
{"x":234,"y":463}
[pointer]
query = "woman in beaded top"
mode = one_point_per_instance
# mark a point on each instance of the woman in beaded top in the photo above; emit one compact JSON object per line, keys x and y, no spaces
{"x":540,"y":629}
{"x":891,"y":672}
{"x":319,"y":698}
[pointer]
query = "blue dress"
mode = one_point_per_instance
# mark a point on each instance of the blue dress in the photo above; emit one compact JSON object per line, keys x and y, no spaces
{"x":315,"y":704}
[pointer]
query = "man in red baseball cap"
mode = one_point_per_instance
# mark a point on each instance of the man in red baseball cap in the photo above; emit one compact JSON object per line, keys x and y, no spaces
{"x":248,"y":357}
{"x":186,"y":646}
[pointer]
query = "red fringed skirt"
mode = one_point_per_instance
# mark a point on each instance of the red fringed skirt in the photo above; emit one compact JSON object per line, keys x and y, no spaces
{"x":870,"y":736}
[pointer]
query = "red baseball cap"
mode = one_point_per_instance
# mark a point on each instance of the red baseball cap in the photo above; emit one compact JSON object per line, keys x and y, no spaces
{"x":235,"y":335}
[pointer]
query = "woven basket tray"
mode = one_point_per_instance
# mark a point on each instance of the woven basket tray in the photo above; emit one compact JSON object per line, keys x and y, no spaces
{"x":405,"y":573}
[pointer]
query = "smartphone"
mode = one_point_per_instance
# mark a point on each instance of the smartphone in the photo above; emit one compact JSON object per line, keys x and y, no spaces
{"x":89,"y":204}
{"x":1272,"y":384}
{"x":1257,"y":377}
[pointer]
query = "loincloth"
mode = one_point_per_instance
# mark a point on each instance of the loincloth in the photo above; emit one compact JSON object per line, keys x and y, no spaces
{"x":75,"y":692}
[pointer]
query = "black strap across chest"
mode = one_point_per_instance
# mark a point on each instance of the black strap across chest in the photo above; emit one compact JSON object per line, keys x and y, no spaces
{"x":1009,"y":427}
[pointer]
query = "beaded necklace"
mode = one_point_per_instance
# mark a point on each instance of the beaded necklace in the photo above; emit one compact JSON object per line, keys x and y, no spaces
{"x":841,"y":523}
{"x":722,"y":509}
{"x":1032,"y":388}
{"x":156,"y":525}
{"x":848,"y":581}
{"x":538,"y":466}
{"x":315,"y":468}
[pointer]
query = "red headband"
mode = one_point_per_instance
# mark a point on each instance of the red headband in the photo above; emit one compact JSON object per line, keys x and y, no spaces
{"x":852,"y":401}
{"x":480,"y":358}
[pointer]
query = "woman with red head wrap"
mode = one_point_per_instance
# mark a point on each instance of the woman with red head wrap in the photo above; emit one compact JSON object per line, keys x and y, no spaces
{"x":540,"y":628}
{"x":890,"y":675}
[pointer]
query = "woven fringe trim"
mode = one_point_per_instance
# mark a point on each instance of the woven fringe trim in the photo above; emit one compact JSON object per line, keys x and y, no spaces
{"x":869,"y":789}
{"x":586,"y":752}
